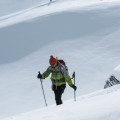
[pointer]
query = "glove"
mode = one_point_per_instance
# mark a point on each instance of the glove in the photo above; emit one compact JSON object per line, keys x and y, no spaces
{"x":74,"y":87}
{"x":39,"y":76}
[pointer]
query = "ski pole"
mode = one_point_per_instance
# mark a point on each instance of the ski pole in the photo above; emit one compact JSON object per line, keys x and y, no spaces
{"x":73,"y":76}
{"x":43,"y":91}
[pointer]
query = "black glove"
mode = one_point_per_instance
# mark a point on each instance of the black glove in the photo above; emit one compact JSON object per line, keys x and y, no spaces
{"x":74,"y":87}
{"x":39,"y":76}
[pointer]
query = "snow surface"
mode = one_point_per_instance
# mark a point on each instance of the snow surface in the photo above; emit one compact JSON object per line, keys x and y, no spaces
{"x":116,"y":72}
{"x":101,"y":105}
{"x":44,"y":9}
{"x":86,"y":34}
{"x":10,"y":6}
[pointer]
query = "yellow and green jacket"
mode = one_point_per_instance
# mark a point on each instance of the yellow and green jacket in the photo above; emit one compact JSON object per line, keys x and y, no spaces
{"x":59,"y":75}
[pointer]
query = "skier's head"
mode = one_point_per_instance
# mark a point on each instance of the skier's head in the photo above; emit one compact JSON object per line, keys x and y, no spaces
{"x":52,"y":61}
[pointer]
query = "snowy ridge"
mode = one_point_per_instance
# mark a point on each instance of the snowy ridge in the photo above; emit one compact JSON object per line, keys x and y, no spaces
{"x":104,"y":103}
{"x":44,"y":9}
{"x":21,"y":12}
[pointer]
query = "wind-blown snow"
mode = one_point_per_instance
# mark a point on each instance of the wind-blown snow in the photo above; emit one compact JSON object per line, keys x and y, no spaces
{"x":85,"y":35}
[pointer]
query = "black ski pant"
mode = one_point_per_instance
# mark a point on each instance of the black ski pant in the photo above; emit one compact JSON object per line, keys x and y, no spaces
{"x":58,"y":91}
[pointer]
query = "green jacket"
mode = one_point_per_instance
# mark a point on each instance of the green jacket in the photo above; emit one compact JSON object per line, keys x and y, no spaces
{"x":59,"y":75}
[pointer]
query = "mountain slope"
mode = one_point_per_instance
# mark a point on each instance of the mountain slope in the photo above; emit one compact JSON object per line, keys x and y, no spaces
{"x":87,"y":38}
{"x":103,"y":104}
{"x":8,"y":7}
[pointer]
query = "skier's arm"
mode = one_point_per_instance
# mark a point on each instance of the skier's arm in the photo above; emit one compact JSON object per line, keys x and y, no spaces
{"x":68,"y":80}
{"x":46,"y":73}
{"x":67,"y":77}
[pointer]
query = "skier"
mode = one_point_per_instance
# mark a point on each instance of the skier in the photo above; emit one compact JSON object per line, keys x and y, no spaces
{"x":59,"y":78}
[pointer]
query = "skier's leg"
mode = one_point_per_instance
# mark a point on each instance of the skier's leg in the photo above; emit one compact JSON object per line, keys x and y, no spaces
{"x":58,"y":94}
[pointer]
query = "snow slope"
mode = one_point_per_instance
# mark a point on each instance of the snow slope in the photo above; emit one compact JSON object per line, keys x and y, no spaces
{"x":101,"y":105}
{"x":86,"y":33}
{"x":116,"y":72}
{"x":44,"y":9}
{"x":7,"y":7}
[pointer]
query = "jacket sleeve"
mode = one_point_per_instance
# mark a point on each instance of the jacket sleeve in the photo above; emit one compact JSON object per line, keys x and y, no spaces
{"x":46,"y":73}
{"x":66,"y":75}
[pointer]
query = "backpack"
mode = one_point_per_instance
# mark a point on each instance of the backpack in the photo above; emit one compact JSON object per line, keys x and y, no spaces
{"x":63,"y":63}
